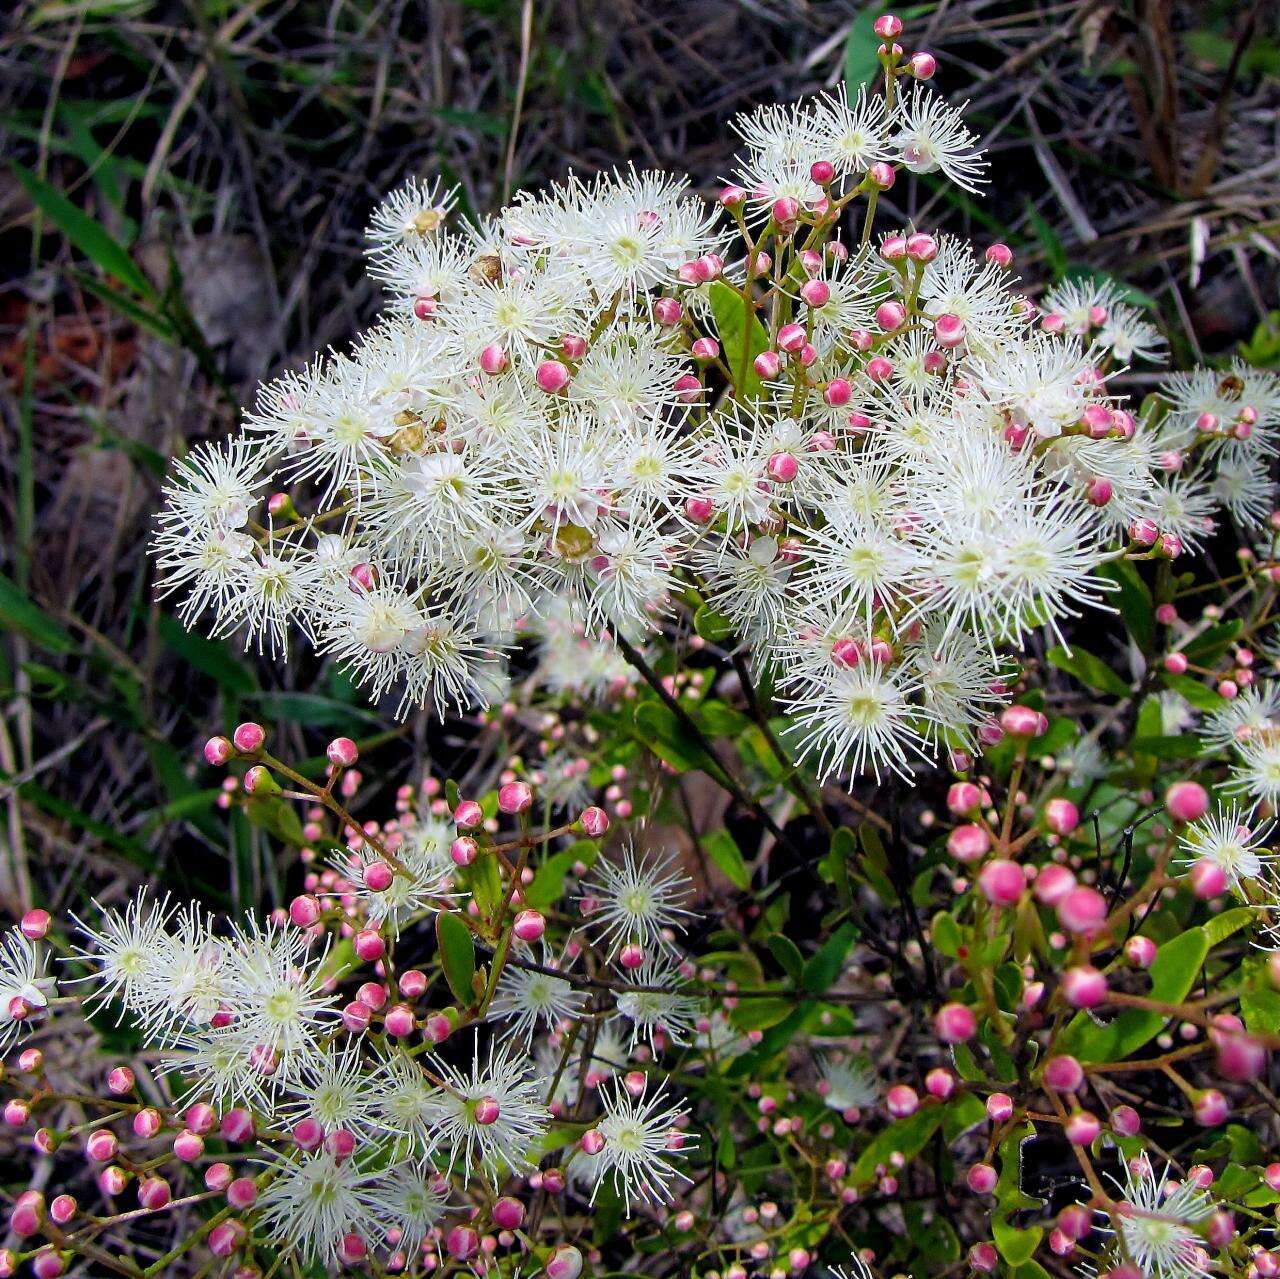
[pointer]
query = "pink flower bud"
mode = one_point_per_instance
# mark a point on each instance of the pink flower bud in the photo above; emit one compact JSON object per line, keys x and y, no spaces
{"x":949,"y":331}
{"x":356,"y":1017}
{"x":592,"y":1141}
{"x":732,"y":197}
{"x":1061,"y":816}
{"x":1140,"y":951}
{"x":1208,"y":879}
{"x":515,"y":797}
{"x":837,"y":392}
{"x":922,"y":65}
{"x":782,"y":468}
{"x":342,"y":752}
{"x":706,"y":349}
{"x":378,"y":877}
{"x":188,"y":1146}
{"x":1002,"y":882}
{"x":791,"y":337}
{"x":1186,"y":801}
{"x":954,"y":1023}
{"x":1083,"y":910}
{"x":817,"y":293}
{"x":1210,"y":1108}
{"x":217,"y":751}
{"x":249,"y":737}
{"x":437,"y":1028}
{"x":940,"y":1083}
{"x":508,"y":1213}
{"x":352,"y":1249}
{"x":487,"y":1111}
{"x":882,"y":175}
{"x":701,"y":510}
{"x":631,"y":956}
{"x":468,"y":814}
{"x":891,"y":316}
{"x":901,"y":1101}
{"x":893,"y":248}
{"x":1144,"y":531}
{"x":1098,"y":491}
{"x":1063,"y":1073}
{"x":1000,"y":1106}
{"x":1084,"y":986}
{"x":304,"y":911}
{"x":226,"y":1237}
{"x":1023,"y":721}
{"x":463,"y":850}
{"x":63,"y":1208}
{"x":822,"y":171}
{"x":147,"y":1122}
{"x":101,"y":1145}
{"x":368,"y":945}
{"x":1000,"y":254}
{"x":768,"y":364}
{"x":399,"y":1021}
{"x":493,"y":360}
{"x":566,"y":1261}
{"x":1082,"y":1128}
{"x":981,"y":1179}
{"x":529,"y":925}
{"x":879,"y":369}
{"x":963,"y":798}
{"x":120,"y":1080}
{"x":1175,"y":663}
{"x":786,"y":209}
{"x":552,"y":376}
{"x":888,"y":27}
{"x":237,"y":1126}
{"x":594,"y":822}
{"x":969,"y":843}
{"x":154,"y":1192}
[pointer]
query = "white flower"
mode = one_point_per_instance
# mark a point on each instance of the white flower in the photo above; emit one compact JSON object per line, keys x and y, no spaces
{"x":1226,"y":839}
{"x":414,"y":210}
{"x":931,"y":135}
{"x":1157,"y":1223}
{"x":310,"y":1201}
{"x":279,"y":1007}
{"x":656,"y":1004}
{"x":637,"y":900}
{"x":409,"y":1200}
{"x":123,"y":953}
{"x":848,"y":1085}
{"x":460,"y":1124}
{"x":530,"y":998}
{"x":642,"y":1139}
{"x":22,"y":978}
{"x":1253,"y":712}
{"x":858,"y":719}
{"x":335,"y":1089}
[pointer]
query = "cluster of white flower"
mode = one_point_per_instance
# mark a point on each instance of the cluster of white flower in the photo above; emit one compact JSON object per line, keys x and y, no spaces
{"x":250,"y":1019}
{"x":615,"y":398}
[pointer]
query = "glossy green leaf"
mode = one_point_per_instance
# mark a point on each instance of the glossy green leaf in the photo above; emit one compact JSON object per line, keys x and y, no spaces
{"x":1091,"y":671}
{"x":824,"y":967}
{"x":787,"y":953}
{"x":735,"y":332}
{"x":723,"y":849}
{"x":88,"y":235}
{"x":457,"y":956}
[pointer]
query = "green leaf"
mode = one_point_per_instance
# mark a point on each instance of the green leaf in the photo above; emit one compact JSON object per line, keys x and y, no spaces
{"x":659,"y":729}
{"x":313,"y":709}
{"x":1173,"y":972}
{"x":18,"y":613}
{"x":963,"y":1113}
{"x":1089,"y":670}
{"x":276,"y":816}
{"x":714,"y":627}
{"x":731,"y":324}
{"x":861,"y":48}
{"x":210,"y":657}
{"x":760,"y":1014}
{"x":1184,"y":747}
{"x":547,"y":885}
{"x":723,"y":849}
{"x":457,"y":956}
{"x":906,"y":1136}
{"x":1260,"y":1010}
{"x":1201,"y":696}
{"x":88,"y":235}
{"x":787,"y":953}
{"x":826,"y":965}
{"x":1015,"y":1246}
{"x":1220,"y":927}
{"x":946,"y":934}
{"x":143,"y":316}
{"x":1133,"y":600}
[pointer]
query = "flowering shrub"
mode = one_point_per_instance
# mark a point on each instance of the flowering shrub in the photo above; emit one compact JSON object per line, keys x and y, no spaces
{"x":754,"y":490}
